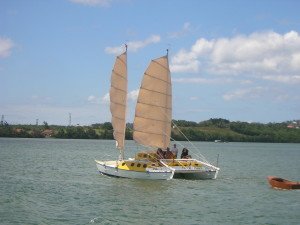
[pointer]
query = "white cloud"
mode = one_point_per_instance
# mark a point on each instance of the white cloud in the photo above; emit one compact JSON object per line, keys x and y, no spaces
{"x":94,"y":100}
{"x":115,"y":50}
{"x":194,"y":98}
{"x":6,"y":46}
{"x":92,"y":2}
{"x":254,"y":92}
{"x":133,"y":46}
{"x":264,"y":54}
{"x":184,"y":30}
{"x":293,"y":79}
{"x":105,"y":98}
{"x":201,"y":80}
{"x":40,"y":99}
{"x":295,"y":62}
{"x":133,"y":95}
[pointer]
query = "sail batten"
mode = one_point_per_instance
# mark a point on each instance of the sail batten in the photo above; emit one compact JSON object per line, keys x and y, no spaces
{"x":154,"y":105}
{"x":155,"y":91}
{"x":119,"y":89}
{"x":118,"y":99}
{"x":120,"y":104}
{"x":155,"y":77}
{"x":153,"y":114}
{"x":166,"y":67}
{"x":155,"y":120}
{"x":120,"y":75}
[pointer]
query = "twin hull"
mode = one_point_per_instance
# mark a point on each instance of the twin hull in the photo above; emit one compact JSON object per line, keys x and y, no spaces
{"x":111,"y":168}
{"x":195,"y":174}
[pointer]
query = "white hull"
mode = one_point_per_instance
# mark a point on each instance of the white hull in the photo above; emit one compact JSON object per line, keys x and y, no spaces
{"x":111,"y":169}
{"x":205,"y":172}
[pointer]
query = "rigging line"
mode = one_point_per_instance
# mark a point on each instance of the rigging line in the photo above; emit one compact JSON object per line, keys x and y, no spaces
{"x":181,"y":146}
{"x":197,"y":150}
{"x":202,"y":158}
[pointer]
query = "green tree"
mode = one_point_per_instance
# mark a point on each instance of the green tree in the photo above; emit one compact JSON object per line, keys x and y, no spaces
{"x":46,"y":126}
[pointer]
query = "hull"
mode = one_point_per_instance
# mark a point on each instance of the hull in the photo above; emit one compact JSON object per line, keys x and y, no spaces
{"x":192,"y":169}
{"x":195,"y":174}
{"x":280,"y":183}
{"x":111,"y":168}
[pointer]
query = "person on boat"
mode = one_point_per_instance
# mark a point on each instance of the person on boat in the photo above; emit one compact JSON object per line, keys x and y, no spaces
{"x":160,"y":154}
{"x":174,"y":151}
{"x":169,"y":154}
{"x":185,"y":154}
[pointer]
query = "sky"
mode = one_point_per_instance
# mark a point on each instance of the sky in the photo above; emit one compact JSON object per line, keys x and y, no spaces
{"x":237,"y":60}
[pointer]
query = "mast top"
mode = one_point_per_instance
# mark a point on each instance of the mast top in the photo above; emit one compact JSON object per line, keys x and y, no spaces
{"x":126,"y":47}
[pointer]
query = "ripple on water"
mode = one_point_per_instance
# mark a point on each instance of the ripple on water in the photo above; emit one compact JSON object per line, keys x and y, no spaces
{"x":56,"y":182}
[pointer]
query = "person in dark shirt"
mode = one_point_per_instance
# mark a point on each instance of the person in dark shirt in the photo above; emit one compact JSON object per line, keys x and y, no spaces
{"x":185,"y":154}
{"x":169,"y":154}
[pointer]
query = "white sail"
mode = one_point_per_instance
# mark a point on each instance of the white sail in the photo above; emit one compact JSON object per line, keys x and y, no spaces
{"x":153,"y":114}
{"x":118,"y":99}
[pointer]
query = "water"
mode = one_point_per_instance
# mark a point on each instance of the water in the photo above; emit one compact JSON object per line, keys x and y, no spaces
{"x":51,"y":181}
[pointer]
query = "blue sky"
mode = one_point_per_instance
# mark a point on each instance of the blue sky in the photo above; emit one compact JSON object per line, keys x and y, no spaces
{"x":238,"y":60}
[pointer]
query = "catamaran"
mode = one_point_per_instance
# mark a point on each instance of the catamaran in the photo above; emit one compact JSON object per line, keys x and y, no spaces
{"x":151,"y":127}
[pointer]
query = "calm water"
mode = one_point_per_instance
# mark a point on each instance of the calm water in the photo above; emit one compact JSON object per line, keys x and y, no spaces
{"x":49,"y":181}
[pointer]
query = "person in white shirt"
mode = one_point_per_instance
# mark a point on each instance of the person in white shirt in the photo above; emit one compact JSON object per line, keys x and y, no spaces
{"x":175,"y":151}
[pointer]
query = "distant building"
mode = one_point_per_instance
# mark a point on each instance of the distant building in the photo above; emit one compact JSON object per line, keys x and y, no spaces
{"x":47,"y":133}
{"x":294,"y":125}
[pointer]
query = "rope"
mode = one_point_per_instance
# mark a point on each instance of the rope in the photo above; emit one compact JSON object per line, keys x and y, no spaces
{"x":195,"y":148}
{"x":198,"y":151}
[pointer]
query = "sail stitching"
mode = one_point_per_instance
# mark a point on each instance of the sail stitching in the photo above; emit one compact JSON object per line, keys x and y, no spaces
{"x":146,"y":118}
{"x":117,"y":103}
{"x":118,"y":132}
{"x":157,"y":78}
{"x":154,"y":105}
{"x":118,"y":74}
{"x":118,"y":89}
{"x":161,"y":65}
{"x":150,"y":132}
{"x":155,"y":91}
{"x":118,"y":118}
{"x":122,"y":61}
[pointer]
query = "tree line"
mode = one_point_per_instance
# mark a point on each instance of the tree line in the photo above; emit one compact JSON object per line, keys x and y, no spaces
{"x":209,"y":130}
